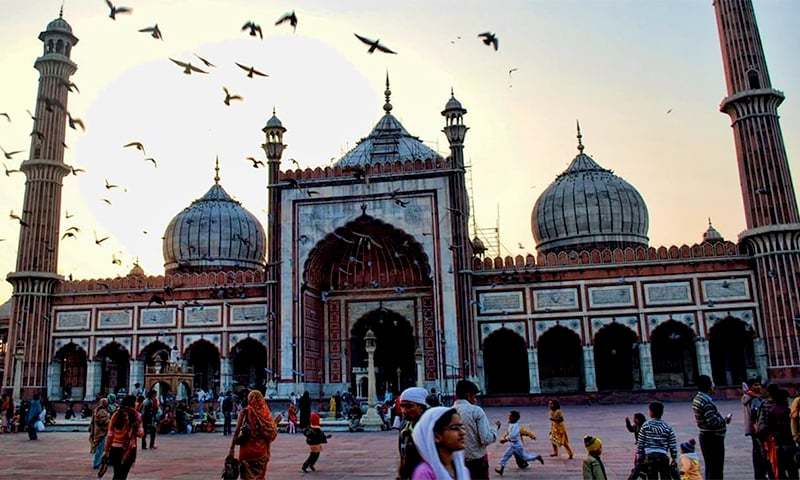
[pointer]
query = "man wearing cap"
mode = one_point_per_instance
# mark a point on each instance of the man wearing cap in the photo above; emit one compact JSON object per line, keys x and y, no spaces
{"x":479,"y":432}
{"x":412,"y":406}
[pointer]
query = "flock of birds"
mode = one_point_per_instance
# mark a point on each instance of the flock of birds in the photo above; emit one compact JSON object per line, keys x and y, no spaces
{"x":53,"y":106}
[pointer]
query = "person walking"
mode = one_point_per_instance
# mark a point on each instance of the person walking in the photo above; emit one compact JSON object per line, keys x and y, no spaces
{"x":479,"y":432}
{"x":712,"y":426}
{"x":752,"y":400}
{"x":593,"y":467}
{"x":558,"y":430}
{"x":32,"y":416}
{"x":441,"y":439}
{"x":657,"y":445}
{"x":304,"y":405}
{"x":255,"y":432}
{"x":149,"y":408}
{"x":227,"y":413}
{"x":412,"y":406}
{"x":98,"y":430}
{"x":124,"y":431}
{"x":513,"y":436}
{"x":315,"y":438}
{"x":775,"y":434}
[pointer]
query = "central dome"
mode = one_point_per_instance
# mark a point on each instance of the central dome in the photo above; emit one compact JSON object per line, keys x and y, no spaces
{"x":586,"y":207}
{"x":214,"y":233}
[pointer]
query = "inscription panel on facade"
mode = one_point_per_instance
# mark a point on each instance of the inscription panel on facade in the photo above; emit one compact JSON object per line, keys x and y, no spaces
{"x":556,"y":299}
{"x":248,"y":314}
{"x":500,"y":302}
{"x":726,"y":289}
{"x":621,"y":296}
{"x":72,"y":321}
{"x":157,"y":317}
{"x":668,"y":293}
{"x":202,"y":316}
{"x":114,"y":319}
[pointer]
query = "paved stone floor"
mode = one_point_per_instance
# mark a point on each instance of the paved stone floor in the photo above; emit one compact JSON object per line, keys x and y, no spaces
{"x":362,"y":455}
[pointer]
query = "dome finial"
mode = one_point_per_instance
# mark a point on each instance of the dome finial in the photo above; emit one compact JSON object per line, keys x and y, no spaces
{"x":452,"y":94}
{"x":61,"y":10}
{"x":580,"y":143}
{"x":216,"y":171}
{"x":387,"y":107}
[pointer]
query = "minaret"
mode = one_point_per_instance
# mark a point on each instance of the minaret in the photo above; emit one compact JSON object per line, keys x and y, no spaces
{"x":274,"y":149}
{"x":37,"y":256}
{"x":455,"y":130}
{"x":773,"y":223}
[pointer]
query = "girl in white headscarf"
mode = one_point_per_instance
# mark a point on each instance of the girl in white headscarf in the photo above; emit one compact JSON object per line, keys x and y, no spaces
{"x":439,"y":438}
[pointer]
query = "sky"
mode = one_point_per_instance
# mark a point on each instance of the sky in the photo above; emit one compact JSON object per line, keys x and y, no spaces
{"x":617,"y":66}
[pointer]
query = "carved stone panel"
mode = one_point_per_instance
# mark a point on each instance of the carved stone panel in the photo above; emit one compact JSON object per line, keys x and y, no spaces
{"x":555,"y":299}
{"x":114,"y":319}
{"x":72,"y":321}
{"x":157,"y":317}
{"x":672,"y":293}
{"x":615,"y":296}
{"x":500,"y":302}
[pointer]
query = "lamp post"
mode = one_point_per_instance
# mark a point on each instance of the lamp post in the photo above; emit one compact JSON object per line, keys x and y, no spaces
{"x":371,"y":421}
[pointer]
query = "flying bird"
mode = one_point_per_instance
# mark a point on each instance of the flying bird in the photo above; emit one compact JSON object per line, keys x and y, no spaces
{"x":512,"y":71}
{"x":68,"y":215}
{"x":521,"y":247}
{"x":8,"y":155}
{"x":75,"y":121}
{"x":106,"y":200}
{"x":254,"y":29}
{"x":669,"y":111}
{"x":39,"y":135}
{"x":49,"y":103}
{"x":114,"y":10}
{"x":251,"y":71}
{"x":295,"y":163}
{"x":374,"y":45}
{"x":3,"y":114}
{"x":31,"y":115}
{"x":70,"y":85}
{"x":205,"y":62}
{"x":68,"y":235}
{"x":76,"y":171}
{"x":288,"y":17}
{"x":16,"y":217}
{"x":489,"y":38}
{"x":10,"y":171}
{"x":99,"y":241}
{"x":115,"y":260}
{"x":109,"y":186}
{"x":256,"y":163}
{"x":188,"y":68}
{"x":138,"y":146}
{"x":154,"y":32}
{"x":151,"y":160}
{"x":73,"y":229}
{"x":229,"y":97}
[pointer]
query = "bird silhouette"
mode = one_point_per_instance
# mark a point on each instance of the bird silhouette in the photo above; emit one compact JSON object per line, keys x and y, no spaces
{"x":114,"y":10}
{"x":521,"y":246}
{"x":188,"y":68}
{"x":70,"y":85}
{"x":68,"y":235}
{"x":489,"y":38}
{"x":115,"y":260}
{"x":75,"y":121}
{"x":205,"y":62}
{"x":75,"y":171}
{"x":151,"y":160}
{"x":154,"y":32}
{"x":374,"y":45}
{"x":73,"y":229}
{"x":4,"y":114}
{"x":251,"y":71}
{"x":8,"y":155}
{"x":106,"y":200}
{"x":254,"y":29}
{"x":51,"y":103}
{"x":109,"y":186}
{"x":68,"y":215}
{"x":669,"y":111}
{"x":10,"y":171}
{"x":34,"y":118}
{"x":16,"y":217}
{"x":288,"y":17}
{"x":39,"y":135}
{"x":99,"y":241}
{"x":229,"y":97}
{"x":295,"y":163}
{"x":138,"y":146}
{"x":256,"y":163}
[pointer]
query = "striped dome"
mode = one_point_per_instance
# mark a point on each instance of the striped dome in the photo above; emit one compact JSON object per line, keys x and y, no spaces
{"x":214,"y":233}
{"x":587,"y":206}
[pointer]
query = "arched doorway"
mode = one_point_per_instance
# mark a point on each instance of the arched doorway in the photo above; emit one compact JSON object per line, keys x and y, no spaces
{"x":114,"y":368}
{"x":560,"y":360}
{"x":155,"y":355}
{"x":505,"y":363}
{"x":674,"y":355}
{"x":730,"y":346}
{"x":615,"y":357}
{"x":249,"y":363}
{"x":395,"y":368}
{"x":73,"y":371}
{"x":204,"y":357}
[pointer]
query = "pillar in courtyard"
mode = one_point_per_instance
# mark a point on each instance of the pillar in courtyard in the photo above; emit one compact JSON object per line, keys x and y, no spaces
{"x":646,"y":366}
{"x":760,"y":353}
{"x":589,"y":377}
{"x":703,"y":357}
{"x":136,"y":375}
{"x":371,"y":421}
{"x":54,"y":381}
{"x":533,"y":371}
{"x":225,"y":374}
{"x":418,"y":359}
{"x":93,"y":376}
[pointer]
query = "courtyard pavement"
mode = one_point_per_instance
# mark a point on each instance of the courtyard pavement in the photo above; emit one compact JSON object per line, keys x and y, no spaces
{"x":367,"y":455}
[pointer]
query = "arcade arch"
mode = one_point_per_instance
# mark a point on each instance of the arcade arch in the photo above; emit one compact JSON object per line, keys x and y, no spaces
{"x":616,"y":358}
{"x":560,"y":360}
{"x":674,"y":355}
{"x":730,"y":345}
{"x":505,"y":363}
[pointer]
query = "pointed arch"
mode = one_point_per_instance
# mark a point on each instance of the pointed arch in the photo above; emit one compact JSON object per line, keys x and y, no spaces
{"x":505,"y":363}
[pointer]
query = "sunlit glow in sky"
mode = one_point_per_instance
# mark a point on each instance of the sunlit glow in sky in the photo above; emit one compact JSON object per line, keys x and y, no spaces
{"x":618,"y":66}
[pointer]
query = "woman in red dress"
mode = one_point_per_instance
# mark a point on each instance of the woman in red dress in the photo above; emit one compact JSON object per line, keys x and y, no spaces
{"x":255,"y":431}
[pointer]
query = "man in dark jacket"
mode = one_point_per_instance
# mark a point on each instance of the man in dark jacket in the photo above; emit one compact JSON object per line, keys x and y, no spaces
{"x":227,"y":412}
{"x":712,"y":426}
{"x":751,"y":403}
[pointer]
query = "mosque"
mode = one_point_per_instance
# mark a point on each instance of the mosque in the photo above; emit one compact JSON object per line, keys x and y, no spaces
{"x":380,"y":242}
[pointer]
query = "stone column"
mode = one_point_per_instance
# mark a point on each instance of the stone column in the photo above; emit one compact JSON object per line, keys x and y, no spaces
{"x":703,"y":357}
{"x":225,"y":374}
{"x":54,"y":381}
{"x":418,"y":359}
{"x":93,"y":377}
{"x":533,"y":371}
{"x":371,"y":421}
{"x":760,"y":351}
{"x":589,"y":377}
{"x":646,"y":366}
{"x":136,"y":375}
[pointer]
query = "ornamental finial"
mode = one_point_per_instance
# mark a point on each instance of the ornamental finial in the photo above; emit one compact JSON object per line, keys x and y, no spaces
{"x":387,"y":107}
{"x":580,"y":143}
{"x":61,"y":11}
{"x":216,"y":172}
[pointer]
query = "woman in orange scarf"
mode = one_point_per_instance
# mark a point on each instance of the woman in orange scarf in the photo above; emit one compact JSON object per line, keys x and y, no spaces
{"x":255,"y":431}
